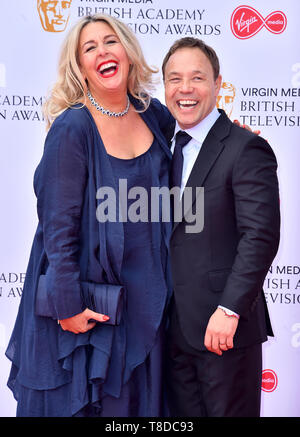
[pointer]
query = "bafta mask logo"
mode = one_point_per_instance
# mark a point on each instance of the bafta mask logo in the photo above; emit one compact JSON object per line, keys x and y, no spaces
{"x":54,"y":14}
{"x":226,"y":98}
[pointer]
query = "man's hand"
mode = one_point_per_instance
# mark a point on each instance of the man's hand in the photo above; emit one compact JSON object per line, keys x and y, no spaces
{"x":220,"y":332}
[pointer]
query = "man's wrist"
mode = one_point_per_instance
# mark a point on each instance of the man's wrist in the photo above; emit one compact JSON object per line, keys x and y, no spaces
{"x":228,"y":312}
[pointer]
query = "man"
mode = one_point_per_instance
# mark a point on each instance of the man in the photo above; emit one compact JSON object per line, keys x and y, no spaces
{"x":219,"y":317}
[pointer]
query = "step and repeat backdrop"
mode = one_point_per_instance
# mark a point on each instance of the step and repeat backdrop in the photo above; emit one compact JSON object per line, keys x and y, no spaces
{"x":258,"y":46}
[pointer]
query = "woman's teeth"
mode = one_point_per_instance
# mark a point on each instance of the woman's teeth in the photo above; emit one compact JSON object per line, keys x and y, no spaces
{"x":108,"y":68}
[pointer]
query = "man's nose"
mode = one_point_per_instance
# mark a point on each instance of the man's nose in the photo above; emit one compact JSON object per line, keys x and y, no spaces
{"x":186,"y":86}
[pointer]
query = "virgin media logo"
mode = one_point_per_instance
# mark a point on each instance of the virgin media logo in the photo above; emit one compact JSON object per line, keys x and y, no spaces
{"x":246,"y":22}
{"x":269,"y":380}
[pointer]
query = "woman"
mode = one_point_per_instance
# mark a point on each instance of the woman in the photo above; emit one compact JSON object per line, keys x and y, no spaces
{"x":104,"y":129}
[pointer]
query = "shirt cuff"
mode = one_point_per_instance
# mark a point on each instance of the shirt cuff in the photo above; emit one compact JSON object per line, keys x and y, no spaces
{"x":228,"y":312}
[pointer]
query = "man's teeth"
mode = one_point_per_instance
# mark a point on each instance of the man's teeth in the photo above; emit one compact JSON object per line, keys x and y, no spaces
{"x":187,"y":103}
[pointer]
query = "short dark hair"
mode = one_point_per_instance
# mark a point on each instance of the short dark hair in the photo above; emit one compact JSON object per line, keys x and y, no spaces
{"x":190,"y":42}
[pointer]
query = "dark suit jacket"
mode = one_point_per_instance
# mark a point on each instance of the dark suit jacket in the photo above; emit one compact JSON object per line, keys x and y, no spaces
{"x":227,"y":262}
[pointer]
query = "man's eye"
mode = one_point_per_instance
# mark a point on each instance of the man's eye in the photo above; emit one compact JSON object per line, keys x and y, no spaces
{"x":174,"y":80}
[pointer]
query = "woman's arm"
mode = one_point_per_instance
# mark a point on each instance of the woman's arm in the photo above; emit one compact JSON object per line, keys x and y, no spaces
{"x":60,"y":184}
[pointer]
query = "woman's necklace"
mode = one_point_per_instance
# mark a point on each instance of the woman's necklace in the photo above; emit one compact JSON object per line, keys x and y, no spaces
{"x":107,"y":111}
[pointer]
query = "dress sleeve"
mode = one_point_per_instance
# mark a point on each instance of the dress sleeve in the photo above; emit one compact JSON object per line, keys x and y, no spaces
{"x":60,"y":183}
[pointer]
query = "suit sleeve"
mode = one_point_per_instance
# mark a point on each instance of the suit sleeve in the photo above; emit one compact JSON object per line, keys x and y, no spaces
{"x":257,"y":211}
{"x":60,"y":186}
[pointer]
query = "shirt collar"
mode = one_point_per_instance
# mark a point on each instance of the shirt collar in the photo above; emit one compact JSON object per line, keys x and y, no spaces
{"x":200,"y":131}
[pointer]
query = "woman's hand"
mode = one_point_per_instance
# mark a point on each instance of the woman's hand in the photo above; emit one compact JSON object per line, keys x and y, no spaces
{"x":80,"y":323}
{"x":245,"y":126}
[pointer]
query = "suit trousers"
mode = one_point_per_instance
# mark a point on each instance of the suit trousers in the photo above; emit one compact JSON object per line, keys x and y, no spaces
{"x":203,"y":384}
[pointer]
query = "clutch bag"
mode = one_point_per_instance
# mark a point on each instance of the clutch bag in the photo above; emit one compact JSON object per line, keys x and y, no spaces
{"x":105,"y":299}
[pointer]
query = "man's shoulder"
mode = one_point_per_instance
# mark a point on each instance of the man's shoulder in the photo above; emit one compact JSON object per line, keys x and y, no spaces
{"x":234,"y":131}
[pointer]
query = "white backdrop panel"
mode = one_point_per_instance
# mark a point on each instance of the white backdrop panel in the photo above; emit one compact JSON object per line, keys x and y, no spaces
{"x":264,"y":71}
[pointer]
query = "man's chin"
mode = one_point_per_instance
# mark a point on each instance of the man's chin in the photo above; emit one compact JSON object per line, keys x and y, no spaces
{"x":187,"y":122}
{"x":186,"y":117}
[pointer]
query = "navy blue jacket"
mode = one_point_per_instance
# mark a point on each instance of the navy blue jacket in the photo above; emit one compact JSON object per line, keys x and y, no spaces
{"x":70,"y":246}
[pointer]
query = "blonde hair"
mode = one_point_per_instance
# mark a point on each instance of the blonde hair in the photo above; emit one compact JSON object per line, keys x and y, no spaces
{"x":71,"y":88}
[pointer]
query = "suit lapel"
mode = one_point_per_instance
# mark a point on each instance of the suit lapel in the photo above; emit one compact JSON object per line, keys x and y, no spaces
{"x":211,"y":149}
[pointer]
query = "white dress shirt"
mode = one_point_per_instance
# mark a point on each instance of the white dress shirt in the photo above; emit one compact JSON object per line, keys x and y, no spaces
{"x":191,"y":151}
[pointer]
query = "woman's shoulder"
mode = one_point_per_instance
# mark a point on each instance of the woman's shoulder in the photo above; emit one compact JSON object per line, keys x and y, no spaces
{"x":74,"y":118}
{"x":156,"y":105}
{"x":72,"y":128}
{"x":164,"y":117}
{"x":160,"y":110}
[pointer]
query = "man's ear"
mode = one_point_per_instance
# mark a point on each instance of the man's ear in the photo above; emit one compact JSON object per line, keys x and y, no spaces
{"x":218,"y":84}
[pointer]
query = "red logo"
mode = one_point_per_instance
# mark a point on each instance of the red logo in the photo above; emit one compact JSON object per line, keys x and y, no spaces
{"x":269,"y":380}
{"x":246,"y":22}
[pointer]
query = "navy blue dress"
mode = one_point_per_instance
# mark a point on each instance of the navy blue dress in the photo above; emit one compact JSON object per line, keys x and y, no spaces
{"x":110,"y":370}
{"x":143,"y":274}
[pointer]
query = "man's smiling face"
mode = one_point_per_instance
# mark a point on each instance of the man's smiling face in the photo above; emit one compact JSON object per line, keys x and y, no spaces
{"x":190,"y":88}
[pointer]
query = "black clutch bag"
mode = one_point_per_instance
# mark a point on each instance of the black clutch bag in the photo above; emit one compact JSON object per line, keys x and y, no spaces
{"x":105,"y":299}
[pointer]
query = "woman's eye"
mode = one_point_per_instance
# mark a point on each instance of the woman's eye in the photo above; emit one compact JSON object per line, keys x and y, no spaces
{"x":90,"y":48}
{"x":111,"y":41}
